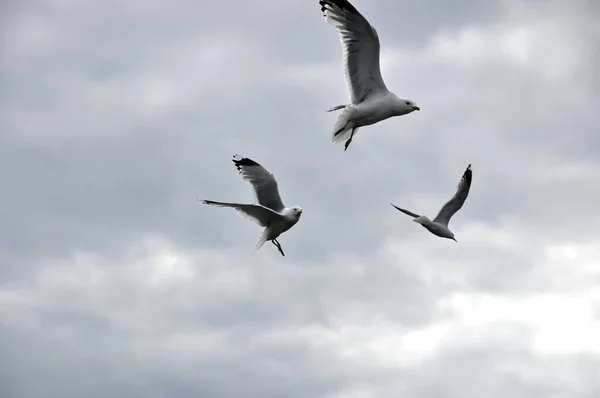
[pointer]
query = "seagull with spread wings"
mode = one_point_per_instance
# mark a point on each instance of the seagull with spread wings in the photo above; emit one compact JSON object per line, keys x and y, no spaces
{"x":370,"y":100}
{"x":439,"y":225}
{"x":270,"y":212}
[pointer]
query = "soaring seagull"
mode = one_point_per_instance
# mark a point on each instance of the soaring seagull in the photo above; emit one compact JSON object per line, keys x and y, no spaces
{"x":370,"y":100}
{"x":270,"y":212}
{"x":439,"y":225}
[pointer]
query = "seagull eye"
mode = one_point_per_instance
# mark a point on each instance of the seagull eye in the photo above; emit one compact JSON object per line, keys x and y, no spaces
{"x":408,"y":103}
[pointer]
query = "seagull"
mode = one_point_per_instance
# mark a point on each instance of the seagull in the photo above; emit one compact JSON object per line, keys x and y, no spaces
{"x":439,"y":225}
{"x":371,"y":102}
{"x":270,"y":212}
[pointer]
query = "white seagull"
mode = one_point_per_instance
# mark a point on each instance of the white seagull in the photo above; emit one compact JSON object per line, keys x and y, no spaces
{"x":270,"y":212}
{"x":439,"y":225}
{"x":371,"y":102}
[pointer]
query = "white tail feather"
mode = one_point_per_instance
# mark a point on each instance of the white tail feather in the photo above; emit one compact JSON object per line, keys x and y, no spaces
{"x":422,"y":220}
{"x":344,"y":125}
{"x":262,"y":239}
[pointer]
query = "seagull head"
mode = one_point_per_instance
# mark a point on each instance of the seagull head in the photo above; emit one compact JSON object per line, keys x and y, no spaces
{"x":412,"y":105}
{"x":408,"y":106}
{"x":296,"y":211}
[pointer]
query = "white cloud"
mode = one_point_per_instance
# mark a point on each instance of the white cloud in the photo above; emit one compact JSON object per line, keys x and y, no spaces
{"x":558,"y":323}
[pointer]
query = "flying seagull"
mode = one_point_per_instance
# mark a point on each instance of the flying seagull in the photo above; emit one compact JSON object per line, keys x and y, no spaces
{"x":439,"y":225}
{"x":371,"y":102}
{"x":270,"y":212}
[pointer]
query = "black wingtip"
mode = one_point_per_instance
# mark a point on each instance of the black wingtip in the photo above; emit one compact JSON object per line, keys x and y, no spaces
{"x":242,"y":161}
{"x":468,"y":175}
{"x":343,"y":5}
{"x":322,"y":4}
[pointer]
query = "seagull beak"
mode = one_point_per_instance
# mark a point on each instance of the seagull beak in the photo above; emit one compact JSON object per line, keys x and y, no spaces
{"x":416,"y":108}
{"x":300,"y":211}
{"x":454,"y":240}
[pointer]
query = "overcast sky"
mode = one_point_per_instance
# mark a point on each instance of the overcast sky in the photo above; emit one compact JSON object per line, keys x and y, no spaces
{"x":116,"y":282}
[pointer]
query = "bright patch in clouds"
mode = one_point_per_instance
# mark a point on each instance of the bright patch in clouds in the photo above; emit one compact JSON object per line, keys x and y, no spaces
{"x":559,"y":323}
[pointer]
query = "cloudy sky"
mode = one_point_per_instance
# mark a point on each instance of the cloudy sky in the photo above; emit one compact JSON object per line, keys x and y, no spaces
{"x":116,"y":282}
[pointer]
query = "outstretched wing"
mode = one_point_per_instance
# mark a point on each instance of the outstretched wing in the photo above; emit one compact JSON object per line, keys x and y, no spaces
{"x":405,"y":211}
{"x":360,"y":44}
{"x":262,"y":180}
{"x":457,"y":200}
{"x":263,"y":216}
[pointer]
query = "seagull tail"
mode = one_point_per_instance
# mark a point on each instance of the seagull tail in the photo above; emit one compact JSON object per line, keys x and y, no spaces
{"x":335,"y":108}
{"x":423,"y":220}
{"x":262,"y":238}
{"x":343,"y":126}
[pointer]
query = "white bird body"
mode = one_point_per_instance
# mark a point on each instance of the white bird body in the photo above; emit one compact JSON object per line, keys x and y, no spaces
{"x":270,"y":212}
{"x":289,"y":218}
{"x":377,"y":108}
{"x":370,"y":100}
{"x":434,"y":227}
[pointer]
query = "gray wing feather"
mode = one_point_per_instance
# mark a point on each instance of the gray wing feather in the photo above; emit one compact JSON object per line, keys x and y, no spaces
{"x":457,"y":200}
{"x":263,"y":182}
{"x":410,"y":213}
{"x":263,"y":216}
{"x":360,"y":44}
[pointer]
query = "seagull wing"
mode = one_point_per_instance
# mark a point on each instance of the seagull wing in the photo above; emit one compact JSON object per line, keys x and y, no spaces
{"x":263,"y":216}
{"x":405,"y":211}
{"x":457,"y":200}
{"x":360,"y":44}
{"x":263,"y":182}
